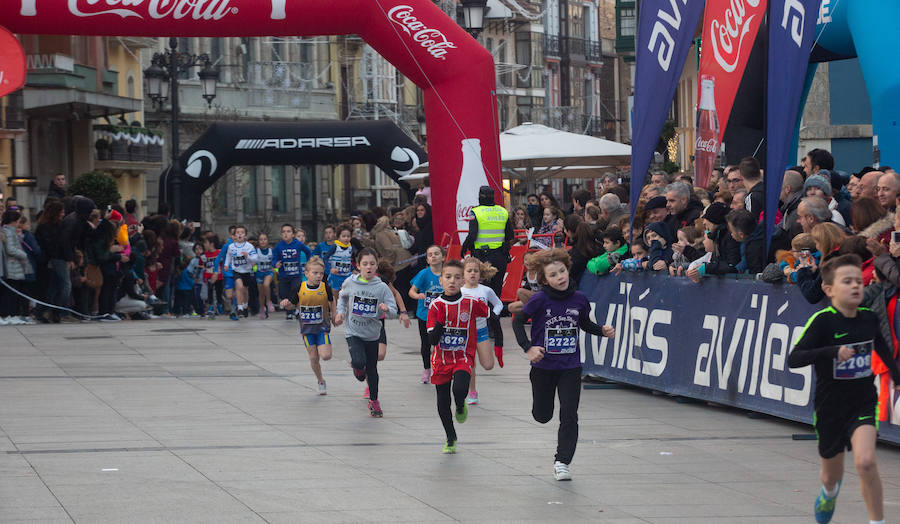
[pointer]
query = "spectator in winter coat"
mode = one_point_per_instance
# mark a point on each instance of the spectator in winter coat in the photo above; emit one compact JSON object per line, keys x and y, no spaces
{"x":819,"y":186}
{"x":683,"y":208}
{"x":660,"y":239}
{"x":742,"y":226}
{"x":726,"y":251}
{"x":615,"y":250}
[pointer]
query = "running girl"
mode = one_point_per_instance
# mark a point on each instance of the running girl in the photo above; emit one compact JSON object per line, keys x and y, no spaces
{"x":314,"y":302}
{"x":451,"y":331}
{"x":360,"y":301}
{"x":475,"y":271}
{"x":341,"y":258}
{"x":556,"y":312}
{"x":215,"y":286}
{"x":425,"y":287}
{"x":264,"y":276}
{"x":387,"y":275}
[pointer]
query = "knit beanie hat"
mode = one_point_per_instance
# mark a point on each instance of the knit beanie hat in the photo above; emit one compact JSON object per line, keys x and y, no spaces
{"x":818,"y":181}
{"x":716,"y":213}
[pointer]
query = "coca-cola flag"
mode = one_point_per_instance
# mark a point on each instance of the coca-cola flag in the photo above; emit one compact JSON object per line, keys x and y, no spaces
{"x":792,"y":25}
{"x":665,"y":32}
{"x":12,"y":63}
{"x":729,"y":30}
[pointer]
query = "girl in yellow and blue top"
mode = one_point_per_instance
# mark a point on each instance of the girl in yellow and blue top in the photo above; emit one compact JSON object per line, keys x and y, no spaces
{"x":314,"y":302}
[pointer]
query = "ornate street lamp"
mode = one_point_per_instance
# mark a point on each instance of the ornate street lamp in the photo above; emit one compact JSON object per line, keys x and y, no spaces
{"x":473,"y":16}
{"x":162,"y":83}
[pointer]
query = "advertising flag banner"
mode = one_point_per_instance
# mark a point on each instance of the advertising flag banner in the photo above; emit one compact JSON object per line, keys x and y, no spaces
{"x":792,"y":25}
{"x":665,"y":33}
{"x":729,"y":31}
{"x":12,"y":63}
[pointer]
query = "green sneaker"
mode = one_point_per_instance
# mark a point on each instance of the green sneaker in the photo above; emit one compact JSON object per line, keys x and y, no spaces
{"x":450,"y":447}
{"x":461,"y":417}
{"x":824,"y":508}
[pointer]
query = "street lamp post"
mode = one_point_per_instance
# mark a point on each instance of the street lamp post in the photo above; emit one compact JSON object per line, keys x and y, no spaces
{"x":473,"y":16}
{"x":162,"y":83}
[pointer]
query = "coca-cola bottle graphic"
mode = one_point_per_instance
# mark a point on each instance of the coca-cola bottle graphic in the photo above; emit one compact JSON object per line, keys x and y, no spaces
{"x":471,"y":178}
{"x":706,"y":148}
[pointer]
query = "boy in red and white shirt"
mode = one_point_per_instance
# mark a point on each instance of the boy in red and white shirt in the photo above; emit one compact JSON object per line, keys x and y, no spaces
{"x":452,"y":334}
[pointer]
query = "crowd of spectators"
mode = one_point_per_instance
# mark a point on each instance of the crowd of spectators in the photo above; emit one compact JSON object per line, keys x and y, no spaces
{"x":80,"y":263}
{"x":106,"y":264}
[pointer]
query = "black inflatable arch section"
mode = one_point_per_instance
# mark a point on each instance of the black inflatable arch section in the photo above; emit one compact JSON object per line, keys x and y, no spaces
{"x":224,"y":145}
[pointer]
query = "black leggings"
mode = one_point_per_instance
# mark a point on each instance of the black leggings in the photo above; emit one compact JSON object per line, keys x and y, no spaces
{"x":460,"y":386}
{"x":545,"y":384}
{"x":424,"y":347}
{"x":364,"y":355}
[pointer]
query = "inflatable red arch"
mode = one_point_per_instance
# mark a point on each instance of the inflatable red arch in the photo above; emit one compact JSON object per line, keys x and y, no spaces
{"x":454,"y":71}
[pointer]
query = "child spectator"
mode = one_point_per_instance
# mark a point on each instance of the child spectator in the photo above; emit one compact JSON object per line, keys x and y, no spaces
{"x":529,"y":286}
{"x":184,"y":290}
{"x":658,"y":236}
{"x":616,"y":250}
{"x":803,"y":248}
{"x":688,"y":248}
{"x":640,"y":256}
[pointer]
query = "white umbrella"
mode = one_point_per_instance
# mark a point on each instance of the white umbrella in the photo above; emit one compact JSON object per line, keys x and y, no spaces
{"x":533,"y":145}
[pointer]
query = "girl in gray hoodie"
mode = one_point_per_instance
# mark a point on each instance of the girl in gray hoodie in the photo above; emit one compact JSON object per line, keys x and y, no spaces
{"x":362,"y":301}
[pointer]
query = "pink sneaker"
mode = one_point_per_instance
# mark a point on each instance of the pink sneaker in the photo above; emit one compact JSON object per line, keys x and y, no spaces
{"x":271,"y":307}
{"x":262,"y":313}
{"x":366,"y":392}
{"x":375,"y":409}
{"x":426,"y":376}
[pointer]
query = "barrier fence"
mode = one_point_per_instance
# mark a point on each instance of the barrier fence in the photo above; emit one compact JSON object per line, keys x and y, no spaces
{"x":724,"y":341}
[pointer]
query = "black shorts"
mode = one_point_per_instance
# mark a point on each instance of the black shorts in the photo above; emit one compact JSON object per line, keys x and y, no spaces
{"x":248,"y":279}
{"x":834,"y":428}
{"x":382,"y":338}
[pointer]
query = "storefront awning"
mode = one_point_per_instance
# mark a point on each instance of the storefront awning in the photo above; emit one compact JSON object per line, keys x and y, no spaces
{"x":75,"y":103}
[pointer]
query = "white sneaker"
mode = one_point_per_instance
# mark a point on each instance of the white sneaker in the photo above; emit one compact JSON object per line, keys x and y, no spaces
{"x":561,"y":471}
{"x":322,"y":388}
{"x":4,"y":321}
{"x":14,"y":321}
{"x":28,"y":321}
{"x":115,"y":317}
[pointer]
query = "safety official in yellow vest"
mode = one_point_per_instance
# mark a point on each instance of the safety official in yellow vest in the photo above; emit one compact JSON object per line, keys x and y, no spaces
{"x":490,"y":235}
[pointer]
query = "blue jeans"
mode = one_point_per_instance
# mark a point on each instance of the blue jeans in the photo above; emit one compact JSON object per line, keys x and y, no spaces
{"x":59,"y":290}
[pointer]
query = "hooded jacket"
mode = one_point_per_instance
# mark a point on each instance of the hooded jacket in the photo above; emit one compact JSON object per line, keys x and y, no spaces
{"x":389,"y":245}
{"x":358,"y":296}
{"x":657,"y":251}
{"x":424,"y":237}
{"x":74,"y":226}
{"x":15,"y":257}
{"x":729,"y":253}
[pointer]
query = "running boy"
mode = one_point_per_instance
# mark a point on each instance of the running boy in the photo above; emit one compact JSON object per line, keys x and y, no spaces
{"x":474,"y":272}
{"x":240,"y":257}
{"x":315,"y":303}
{"x":838,"y":341}
{"x":227,"y":274}
{"x":557,"y":312}
{"x":425,"y":287}
{"x":452,"y":333}
{"x":360,"y":301}
{"x":214,"y":285}
{"x":289,"y":257}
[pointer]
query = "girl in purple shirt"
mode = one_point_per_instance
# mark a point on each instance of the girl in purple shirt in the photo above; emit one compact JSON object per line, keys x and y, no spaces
{"x":557,"y":312}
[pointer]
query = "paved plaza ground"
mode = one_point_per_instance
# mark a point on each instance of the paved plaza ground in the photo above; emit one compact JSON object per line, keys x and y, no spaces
{"x":218,"y":421}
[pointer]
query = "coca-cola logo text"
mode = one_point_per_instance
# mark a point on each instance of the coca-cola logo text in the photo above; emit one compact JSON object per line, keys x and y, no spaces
{"x":462,"y":212}
{"x":736,"y":25}
{"x":710,"y":145}
{"x":433,"y":40}
{"x":156,"y":9}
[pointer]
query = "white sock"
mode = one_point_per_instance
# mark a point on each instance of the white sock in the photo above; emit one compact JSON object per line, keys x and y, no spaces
{"x":876,"y":521}
{"x":830,"y":493}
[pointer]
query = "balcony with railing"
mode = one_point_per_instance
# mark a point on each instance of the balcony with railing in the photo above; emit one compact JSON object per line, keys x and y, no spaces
{"x":579,"y":47}
{"x":551,"y":46}
{"x":567,"y":118}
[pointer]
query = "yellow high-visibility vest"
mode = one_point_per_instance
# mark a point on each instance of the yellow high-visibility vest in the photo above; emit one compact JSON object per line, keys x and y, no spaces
{"x":491,"y":226}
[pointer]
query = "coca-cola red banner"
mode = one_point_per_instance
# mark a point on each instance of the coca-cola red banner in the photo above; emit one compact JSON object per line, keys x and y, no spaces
{"x":729,"y":30}
{"x":454,"y":71}
{"x":12,"y":63}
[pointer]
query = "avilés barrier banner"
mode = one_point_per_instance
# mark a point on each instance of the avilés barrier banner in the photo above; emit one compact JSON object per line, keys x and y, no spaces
{"x":723,"y":341}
